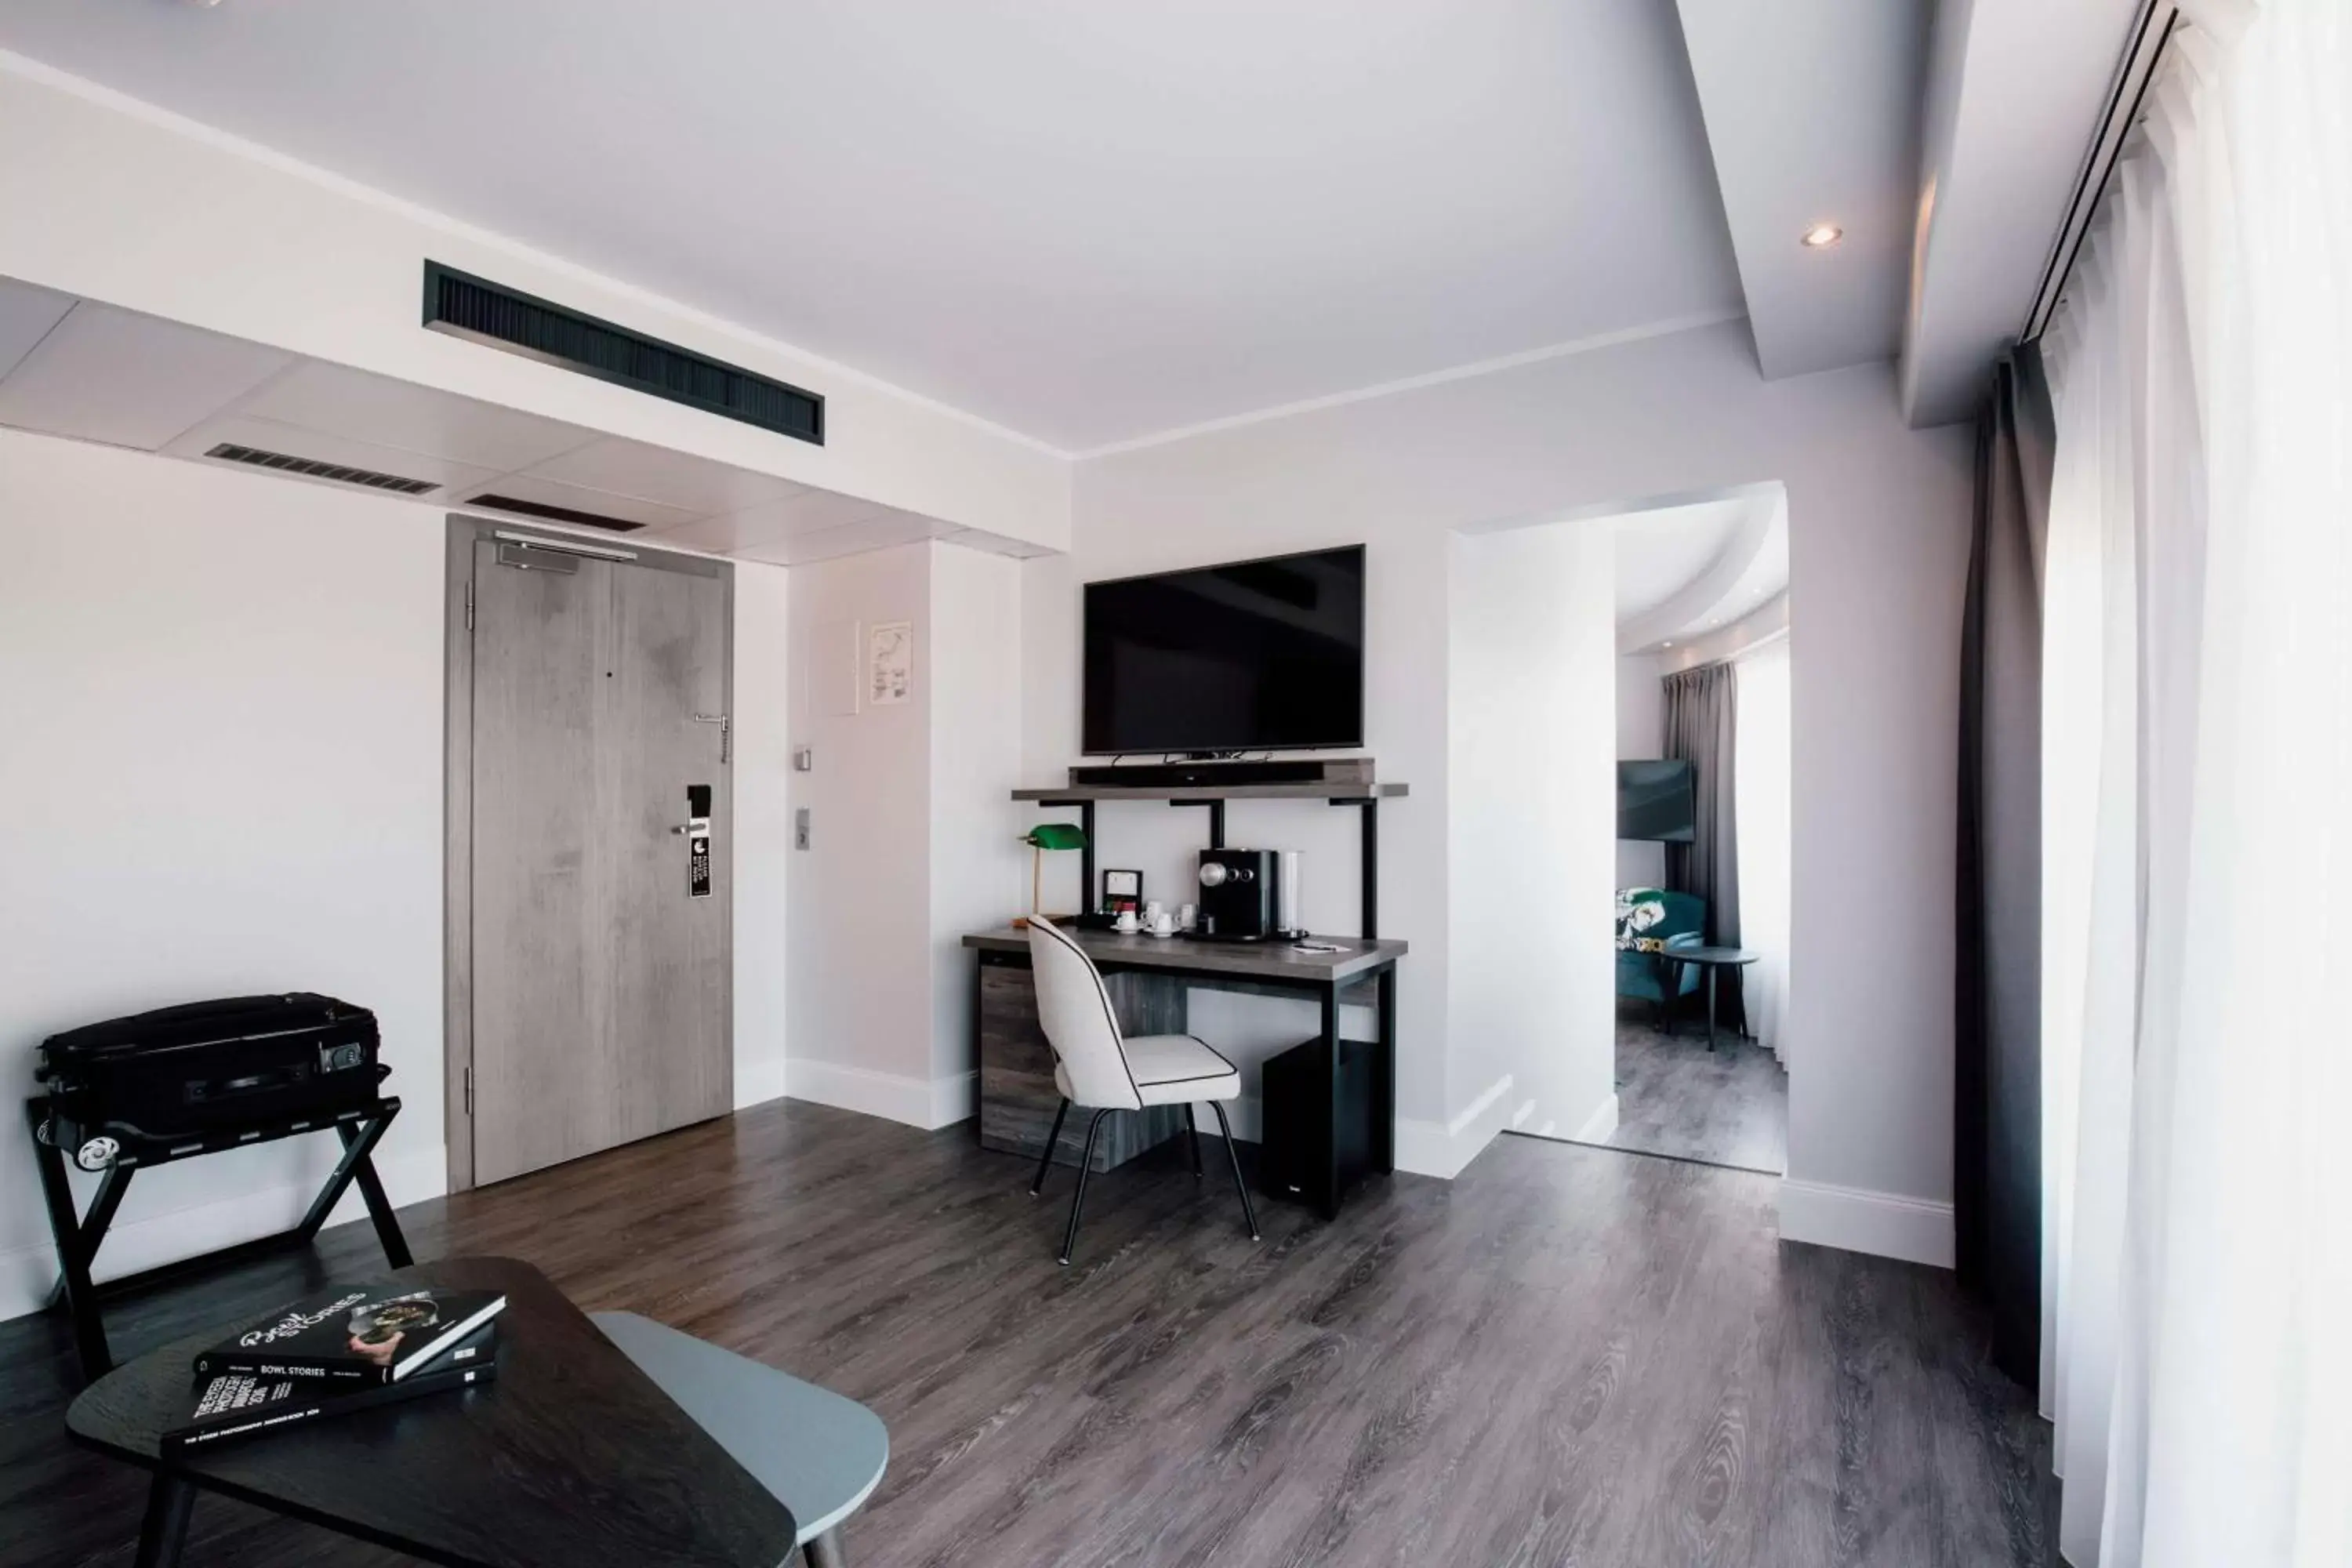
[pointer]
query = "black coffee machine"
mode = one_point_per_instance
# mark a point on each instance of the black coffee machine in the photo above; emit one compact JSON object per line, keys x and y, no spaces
{"x":1242,"y":896}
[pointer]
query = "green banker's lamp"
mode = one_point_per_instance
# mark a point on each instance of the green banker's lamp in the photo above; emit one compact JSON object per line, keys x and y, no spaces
{"x":1044,"y":836}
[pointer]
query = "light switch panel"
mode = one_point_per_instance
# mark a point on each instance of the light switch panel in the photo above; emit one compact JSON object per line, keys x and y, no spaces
{"x":803,"y":759}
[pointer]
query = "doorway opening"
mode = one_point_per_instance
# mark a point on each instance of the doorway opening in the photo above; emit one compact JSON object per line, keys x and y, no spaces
{"x":1701,"y":916}
{"x":1621,"y":697}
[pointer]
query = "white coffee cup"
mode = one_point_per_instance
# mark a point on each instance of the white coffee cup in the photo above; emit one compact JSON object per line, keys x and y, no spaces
{"x":1151,"y":912}
{"x":1128,"y":924}
{"x":1164,"y":924}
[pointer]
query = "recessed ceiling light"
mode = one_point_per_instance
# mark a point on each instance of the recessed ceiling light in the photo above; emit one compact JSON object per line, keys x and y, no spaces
{"x":1670,"y":642}
{"x":1821,"y":235}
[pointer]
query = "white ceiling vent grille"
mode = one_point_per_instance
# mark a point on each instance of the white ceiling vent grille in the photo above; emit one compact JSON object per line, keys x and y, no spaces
{"x":310,"y":468}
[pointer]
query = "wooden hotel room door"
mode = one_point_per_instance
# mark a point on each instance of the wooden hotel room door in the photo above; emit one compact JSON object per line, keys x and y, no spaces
{"x":598,"y":1004}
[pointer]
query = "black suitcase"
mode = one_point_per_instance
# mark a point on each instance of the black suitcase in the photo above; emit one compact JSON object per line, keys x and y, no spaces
{"x":156,"y":1079}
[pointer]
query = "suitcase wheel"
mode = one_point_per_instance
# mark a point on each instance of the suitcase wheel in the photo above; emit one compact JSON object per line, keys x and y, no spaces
{"x":97,"y":1155}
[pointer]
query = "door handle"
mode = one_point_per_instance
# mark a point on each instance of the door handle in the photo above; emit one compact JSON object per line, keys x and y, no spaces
{"x":700,"y":825}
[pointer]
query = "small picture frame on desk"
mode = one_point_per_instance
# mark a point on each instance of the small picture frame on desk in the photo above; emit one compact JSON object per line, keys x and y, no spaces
{"x":1122,"y":891}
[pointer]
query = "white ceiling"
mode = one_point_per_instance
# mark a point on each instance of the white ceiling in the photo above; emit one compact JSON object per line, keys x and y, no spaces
{"x":1659,"y":552}
{"x":1101,"y":224}
{"x":94,"y":372}
{"x":1089,"y":222}
{"x":2014,"y":97}
{"x":1813,"y":115}
{"x":1683,"y":572}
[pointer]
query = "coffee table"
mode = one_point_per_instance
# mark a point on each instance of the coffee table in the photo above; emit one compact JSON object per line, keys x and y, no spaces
{"x":572,"y":1458}
{"x":1715,"y":959}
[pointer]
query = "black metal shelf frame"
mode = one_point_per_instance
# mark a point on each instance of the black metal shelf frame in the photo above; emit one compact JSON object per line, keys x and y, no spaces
{"x":1369,"y":861}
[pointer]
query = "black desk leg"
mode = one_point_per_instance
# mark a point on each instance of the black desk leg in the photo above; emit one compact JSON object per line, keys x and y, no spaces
{"x":1384,"y":1095}
{"x":73,"y":1256}
{"x":164,"y":1530}
{"x":1329,"y":1197}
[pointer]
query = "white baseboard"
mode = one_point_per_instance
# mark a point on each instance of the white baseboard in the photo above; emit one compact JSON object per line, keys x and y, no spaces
{"x":27,"y":1273}
{"x":1885,"y":1225}
{"x":1602,"y":1125}
{"x":1443,"y":1149}
{"x":758,"y":1082}
{"x":955,"y":1098}
{"x":928,"y":1103}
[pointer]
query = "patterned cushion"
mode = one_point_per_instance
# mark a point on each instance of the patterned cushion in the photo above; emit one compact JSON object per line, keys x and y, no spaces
{"x":1639,"y":909}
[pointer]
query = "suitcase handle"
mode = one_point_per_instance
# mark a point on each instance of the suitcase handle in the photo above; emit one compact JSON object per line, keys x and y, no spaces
{"x":212,"y":1091}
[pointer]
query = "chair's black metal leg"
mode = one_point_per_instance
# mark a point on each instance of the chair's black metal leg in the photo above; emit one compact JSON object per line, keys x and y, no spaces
{"x":1235,"y":1155}
{"x":379,"y":1208}
{"x":1712,"y":971}
{"x":1045,"y":1161}
{"x":165,"y":1529}
{"x":1079,"y":1198}
{"x":1192,"y":1140}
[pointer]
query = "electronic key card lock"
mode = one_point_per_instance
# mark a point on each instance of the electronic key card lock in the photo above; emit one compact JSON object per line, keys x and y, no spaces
{"x":695,"y":831}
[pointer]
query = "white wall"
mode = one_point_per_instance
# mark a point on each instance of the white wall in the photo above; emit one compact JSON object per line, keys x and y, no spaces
{"x":1640,"y":732}
{"x":1532,"y":762}
{"x":221,"y":773}
{"x":142,"y":209}
{"x":979,"y":872}
{"x":860,"y":896}
{"x":763,"y":828}
{"x":220,"y":696}
{"x":913,"y":830}
{"x":1878,"y":541}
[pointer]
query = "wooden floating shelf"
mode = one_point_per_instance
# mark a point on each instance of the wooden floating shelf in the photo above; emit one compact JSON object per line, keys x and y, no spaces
{"x":1217,"y":791}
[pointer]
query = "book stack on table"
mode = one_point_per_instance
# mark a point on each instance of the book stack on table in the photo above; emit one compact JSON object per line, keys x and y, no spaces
{"x":341,"y":1350}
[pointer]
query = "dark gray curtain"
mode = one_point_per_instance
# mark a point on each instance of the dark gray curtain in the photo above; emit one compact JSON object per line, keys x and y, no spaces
{"x":1996,"y":1089}
{"x":1701,"y":719}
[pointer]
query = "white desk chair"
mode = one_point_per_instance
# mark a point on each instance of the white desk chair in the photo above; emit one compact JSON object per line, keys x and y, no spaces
{"x":1096,"y":1068}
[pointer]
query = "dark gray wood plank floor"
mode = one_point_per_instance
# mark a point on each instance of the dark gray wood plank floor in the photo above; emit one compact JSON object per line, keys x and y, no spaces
{"x":1569,"y":1355}
{"x":1726,"y":1106}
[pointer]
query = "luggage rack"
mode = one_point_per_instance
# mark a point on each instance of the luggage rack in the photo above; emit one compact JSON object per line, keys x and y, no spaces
{"x":77,"y":1236}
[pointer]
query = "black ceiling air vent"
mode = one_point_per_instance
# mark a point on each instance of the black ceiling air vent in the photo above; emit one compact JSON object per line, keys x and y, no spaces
{"x":555,"y":513}
{"x":468,"y":307}
{"x":310,"y":468}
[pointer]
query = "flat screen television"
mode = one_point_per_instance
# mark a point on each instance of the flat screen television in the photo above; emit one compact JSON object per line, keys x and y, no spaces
{"x":1657,"y":800}
{"x":1251,"y":655}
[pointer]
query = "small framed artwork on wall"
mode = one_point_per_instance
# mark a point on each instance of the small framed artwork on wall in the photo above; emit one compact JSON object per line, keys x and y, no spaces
{"x":1122,"y":891}
{"x":890,"y":662}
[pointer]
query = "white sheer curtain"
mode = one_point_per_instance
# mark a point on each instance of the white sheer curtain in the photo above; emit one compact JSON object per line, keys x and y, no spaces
{"x":1760,"y":808}
{"x":2198,"y":773}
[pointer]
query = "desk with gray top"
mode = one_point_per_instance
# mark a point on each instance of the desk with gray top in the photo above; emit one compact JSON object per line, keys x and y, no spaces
{"x":1149,"y":980}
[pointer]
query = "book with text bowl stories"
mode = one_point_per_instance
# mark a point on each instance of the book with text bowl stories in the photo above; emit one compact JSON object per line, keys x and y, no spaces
{"x":358,"y":1334}
{"x":233,"y":1405}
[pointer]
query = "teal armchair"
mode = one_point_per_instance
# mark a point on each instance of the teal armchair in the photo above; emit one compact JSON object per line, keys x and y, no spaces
{"x":1650,"y":920}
